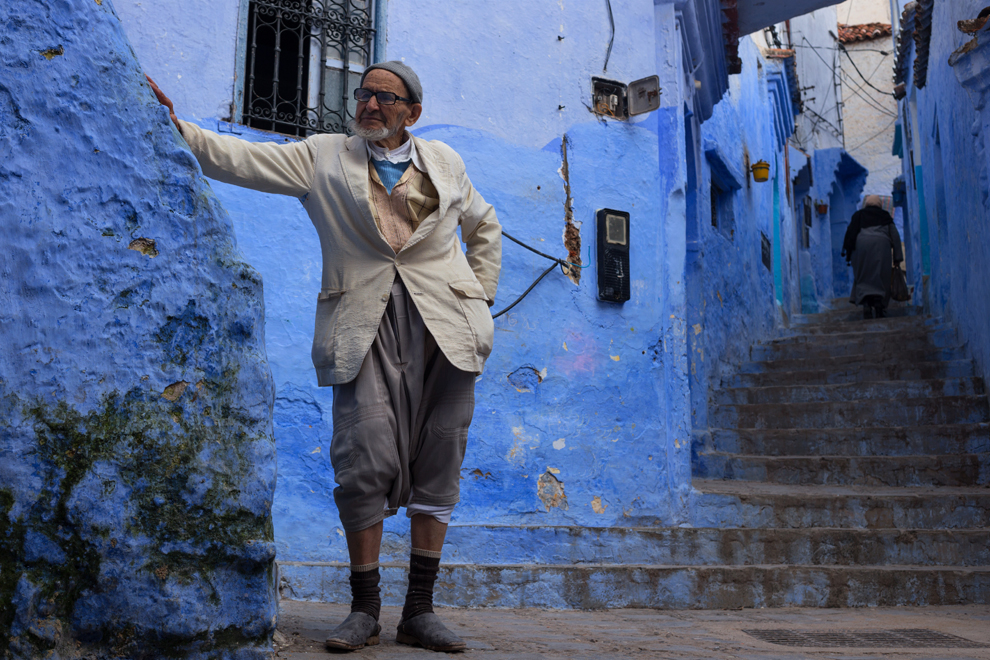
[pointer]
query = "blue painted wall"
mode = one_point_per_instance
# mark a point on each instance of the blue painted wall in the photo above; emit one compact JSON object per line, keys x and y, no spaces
{"x":946,"y":125}
{"x":733,"y":300}
{"x":137,"y":462}
{"x":584,"y":412}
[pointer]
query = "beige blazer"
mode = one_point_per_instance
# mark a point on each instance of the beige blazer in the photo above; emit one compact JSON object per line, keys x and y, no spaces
{"x":329,"y":173}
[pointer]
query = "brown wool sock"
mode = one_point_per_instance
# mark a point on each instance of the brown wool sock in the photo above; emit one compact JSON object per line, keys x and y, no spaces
{"x":424,"y":565}
{"x":366,"y":595}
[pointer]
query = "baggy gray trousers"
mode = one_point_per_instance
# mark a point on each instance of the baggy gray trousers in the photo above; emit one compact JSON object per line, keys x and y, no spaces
{"x":400,"y":427}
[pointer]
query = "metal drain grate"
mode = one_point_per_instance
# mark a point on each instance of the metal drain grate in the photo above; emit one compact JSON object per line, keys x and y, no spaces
{"x":904,"y":638}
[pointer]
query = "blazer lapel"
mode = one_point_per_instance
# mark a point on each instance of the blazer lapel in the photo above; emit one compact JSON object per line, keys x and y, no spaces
{"x":439,"y":173}
{"x":354,"y":162}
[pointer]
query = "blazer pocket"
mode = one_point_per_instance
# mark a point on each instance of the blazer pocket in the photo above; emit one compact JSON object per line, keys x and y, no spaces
{"x":472,"y":299}
{"x":324,"y":333}
{"x":469,"y":289}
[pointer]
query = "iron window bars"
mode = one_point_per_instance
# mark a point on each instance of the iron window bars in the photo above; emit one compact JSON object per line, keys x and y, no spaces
{"x":304,"y":59}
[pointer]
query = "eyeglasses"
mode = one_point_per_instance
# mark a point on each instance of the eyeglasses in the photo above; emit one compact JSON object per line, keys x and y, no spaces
{"x":384,"y":98}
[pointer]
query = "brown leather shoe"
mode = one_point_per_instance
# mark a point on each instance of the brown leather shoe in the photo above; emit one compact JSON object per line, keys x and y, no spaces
{"x":428,"y":631}
{"x":357,"y":630}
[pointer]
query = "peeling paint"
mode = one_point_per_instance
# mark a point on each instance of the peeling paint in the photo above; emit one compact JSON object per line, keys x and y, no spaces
{"x":145,"y":246}
{"x":572,"y":228}
{"x":551,"y":492}
{"x":597,"y":506}
{"x":175,"y":390}
{"x":52,"y":53}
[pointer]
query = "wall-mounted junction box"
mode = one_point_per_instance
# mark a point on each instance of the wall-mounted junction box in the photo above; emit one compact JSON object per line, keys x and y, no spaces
{"x":612,"y":98}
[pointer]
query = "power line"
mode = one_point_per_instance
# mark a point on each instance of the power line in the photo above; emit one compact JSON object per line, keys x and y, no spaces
{"x":853,"y":62}
{"x":556,"y":262}
{"x":611,"y":39}
{"x":875,"y":136}
{"x":838,"y":131}
{"x":870,"y":101}
{"x":858,"y":50}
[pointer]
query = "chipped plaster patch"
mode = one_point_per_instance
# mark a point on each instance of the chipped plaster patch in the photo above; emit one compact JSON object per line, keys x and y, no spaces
{"x":175,"y":390}
{"x":550,"y":490}
{"x":559,"y":443}
{"x":52,"y":53}
{"x":597,"y":506}
{"x":518,"y":445}
{"x":145,"y":246}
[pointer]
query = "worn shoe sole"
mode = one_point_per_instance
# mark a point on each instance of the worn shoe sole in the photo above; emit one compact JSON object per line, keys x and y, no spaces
{"x":405,"y":638}
{"x":341,"y":645}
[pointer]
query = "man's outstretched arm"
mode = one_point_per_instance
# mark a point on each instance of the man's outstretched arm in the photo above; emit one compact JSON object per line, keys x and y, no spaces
{"x":284,"y":169}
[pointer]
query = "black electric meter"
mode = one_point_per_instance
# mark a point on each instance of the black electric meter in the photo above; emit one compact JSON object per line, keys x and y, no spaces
{"x":613,"y":255}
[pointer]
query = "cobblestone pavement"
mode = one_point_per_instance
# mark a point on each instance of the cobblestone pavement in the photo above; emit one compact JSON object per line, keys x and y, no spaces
{"x":524,"y":634}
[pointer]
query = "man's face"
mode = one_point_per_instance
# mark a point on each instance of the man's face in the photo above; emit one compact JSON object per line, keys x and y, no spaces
{"x":395,"y":118}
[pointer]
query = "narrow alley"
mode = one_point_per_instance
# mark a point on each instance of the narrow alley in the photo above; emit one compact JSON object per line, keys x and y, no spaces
{"x":659,"y":327}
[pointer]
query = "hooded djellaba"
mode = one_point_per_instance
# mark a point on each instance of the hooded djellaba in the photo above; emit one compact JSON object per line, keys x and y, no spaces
{"x":871,"y":240}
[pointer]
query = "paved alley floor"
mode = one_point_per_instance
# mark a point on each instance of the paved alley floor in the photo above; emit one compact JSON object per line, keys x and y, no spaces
{"x":526,"y":634}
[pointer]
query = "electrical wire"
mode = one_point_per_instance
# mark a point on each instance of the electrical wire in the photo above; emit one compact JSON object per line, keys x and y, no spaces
{"x":851,"y":61}
{"x":828,"y":91}
{"x":876,"y":135}
{"x":526,"y":292}
{"x":858,"y":50}
{"x":556,"y":262}
{"x":870,"y":101}
{"x":611,"y":39}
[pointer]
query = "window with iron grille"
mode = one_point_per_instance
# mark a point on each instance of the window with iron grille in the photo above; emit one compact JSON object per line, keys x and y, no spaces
{"x":304,"y":59}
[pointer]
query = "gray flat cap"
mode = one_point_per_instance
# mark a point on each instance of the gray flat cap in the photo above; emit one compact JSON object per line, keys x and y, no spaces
{"x":407,"y":75}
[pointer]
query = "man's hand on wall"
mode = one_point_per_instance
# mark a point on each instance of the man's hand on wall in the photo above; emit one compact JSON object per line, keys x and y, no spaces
{"x":164,"y":100}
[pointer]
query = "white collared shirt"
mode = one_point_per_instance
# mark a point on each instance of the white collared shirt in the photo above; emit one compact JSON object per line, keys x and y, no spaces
{"x":407,"y":151}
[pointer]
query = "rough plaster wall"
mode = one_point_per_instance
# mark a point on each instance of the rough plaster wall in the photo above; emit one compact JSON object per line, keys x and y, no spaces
{"x":186,"y":50}
{"x":591,"y":394}
{"x":818,"y":126}
{"x":511,"y":78}
{"x":735,"y":304}
{"x":959,"y":238}
{"x":857,"y":12}
{"x":136,"y":458}
{"x":870,"y":116}
{"x":570,"y":384}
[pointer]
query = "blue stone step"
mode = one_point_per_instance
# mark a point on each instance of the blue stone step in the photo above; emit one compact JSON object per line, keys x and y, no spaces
{"x":948,"y":470}
{"x":755,"y":504}
{"x":846,"y":362}
{"x":815,"y":372}
{"x":573,"y":545}
{"x":894,"y":441}
{"x":802,"y":327}
{"x":891,"y":344}
{"x":853,"y":414}
{"x":854,"y":314}
{"x":659,"y":587}
{"x":890,"y":389}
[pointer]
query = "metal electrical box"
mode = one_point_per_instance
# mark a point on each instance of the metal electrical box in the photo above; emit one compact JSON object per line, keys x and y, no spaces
{"x":613,"y":255}
{"x":611,"y":98}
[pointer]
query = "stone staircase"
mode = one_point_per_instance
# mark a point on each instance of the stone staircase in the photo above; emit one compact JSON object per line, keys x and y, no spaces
{"x":850,"y":460}
{"x":848,"y":466}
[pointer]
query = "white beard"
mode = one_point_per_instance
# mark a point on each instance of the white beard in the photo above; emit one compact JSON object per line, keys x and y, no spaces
{"x":373,"y":134}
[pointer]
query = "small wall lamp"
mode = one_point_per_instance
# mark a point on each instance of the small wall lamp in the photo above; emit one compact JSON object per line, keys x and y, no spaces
{"x":761,"y":171}
{"x":821,"y":207}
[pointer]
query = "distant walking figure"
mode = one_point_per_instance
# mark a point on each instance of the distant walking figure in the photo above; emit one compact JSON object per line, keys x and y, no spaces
{"x":867,"y":246}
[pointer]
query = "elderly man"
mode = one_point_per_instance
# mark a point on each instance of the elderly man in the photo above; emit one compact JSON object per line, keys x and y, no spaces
{"x":402,"y":324}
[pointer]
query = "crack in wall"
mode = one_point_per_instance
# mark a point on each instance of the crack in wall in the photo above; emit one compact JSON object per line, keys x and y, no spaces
{"x":572,"y":229}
